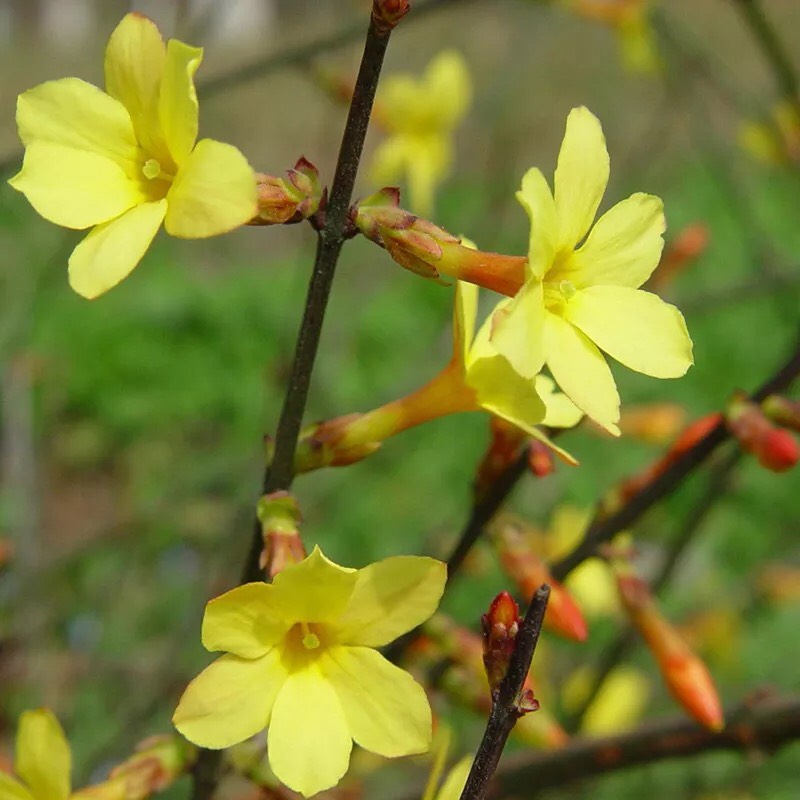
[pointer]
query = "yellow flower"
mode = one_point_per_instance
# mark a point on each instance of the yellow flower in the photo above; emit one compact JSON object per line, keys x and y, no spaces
{"x":420,"y":116}
{"x":44,"y":763}
{"x":576,"y":299}
{"x":125,"y":160}
{"x":498,"y":387}
{"x":300,"y":658}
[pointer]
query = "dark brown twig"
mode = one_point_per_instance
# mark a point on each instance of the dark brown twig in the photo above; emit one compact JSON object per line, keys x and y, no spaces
{"x":279,"y":473}
{"x":603,"y":529}
{"x":765,"y":723}
{"x":505,"y":707}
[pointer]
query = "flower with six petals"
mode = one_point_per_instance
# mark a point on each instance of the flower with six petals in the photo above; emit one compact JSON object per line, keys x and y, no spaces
{"x":301,"y":659}
{"x":581,"y":287}
{"x":126,"y":160}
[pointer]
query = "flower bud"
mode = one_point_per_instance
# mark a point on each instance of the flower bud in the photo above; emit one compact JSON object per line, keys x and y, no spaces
{"x":690,"y":243}
{"x":280,"y":517}
{"x":386,"y":14}
{"x":500,"y":454}
{"x":654,"y":423}
{"x":529,"y":572}
{"x":782,"y":411}
{"x":540,"y":459}
{"x":774,"y":448}
{"x":430,"y":251}
{"x":158,"y":762}
{"x":500,"y":625}
{"x":288,"y":200}
{"x":685,"y":675}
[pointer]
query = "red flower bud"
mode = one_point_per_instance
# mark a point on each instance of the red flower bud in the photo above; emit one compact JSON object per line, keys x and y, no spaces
{"x":775,"y":448}
{"x":500,"y":626}
{"x":386,"y":14}
{"x":540,"y":459}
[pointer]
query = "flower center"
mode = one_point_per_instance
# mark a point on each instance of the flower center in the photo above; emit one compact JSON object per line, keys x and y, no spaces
{"x":310,"y":639}
{"x":152,"y":170}
{"x":567,"y":288}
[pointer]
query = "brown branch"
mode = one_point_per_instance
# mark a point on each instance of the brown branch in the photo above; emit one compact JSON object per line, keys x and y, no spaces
{"x":621,"y":646}
{"x":505,"y":706}
{"x":603,"y":529}
{"x":765,"y":723}
{"x":279,"y":473}
{"x":481,"y":514}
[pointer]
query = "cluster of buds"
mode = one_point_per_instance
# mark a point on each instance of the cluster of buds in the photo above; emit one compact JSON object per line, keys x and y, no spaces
{"x":280,"y":518}
{"x":684,"y":673}
{"x":430,"y":251}
{"x":157,"y":763}
{"x":502,"y":452}
{"x":284,"y":201}
{"x":756,"y":430}
{"x":465,"y":680}
{"x":528,"y":571}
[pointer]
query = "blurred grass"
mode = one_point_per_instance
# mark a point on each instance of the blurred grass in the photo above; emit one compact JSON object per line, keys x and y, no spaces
{"x":150,"y":407}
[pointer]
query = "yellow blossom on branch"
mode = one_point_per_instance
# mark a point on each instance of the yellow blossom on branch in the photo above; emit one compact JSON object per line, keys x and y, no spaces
{"x":300,"y":658}
{"x":43,"y":762}
{"x":581,"y":293}
{"x":126,"y":160}
{"x":420,"y":116}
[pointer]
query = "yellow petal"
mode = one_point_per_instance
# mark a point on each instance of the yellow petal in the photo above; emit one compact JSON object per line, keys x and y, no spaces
{"x":623,"y":248}
{"x":309,"y":741}
{"x":560,"y":411}
{"x":111,"y":251}
{"x":515,"y":329}
{"x":537,"y":199}
{"x":178,"y":109}
{"x":447,"y":83}
{"x":581,"y":176}
{"x":73,"y":113}
{"x":593,"y":587}
{"x":387,"y":711}
{"x":315,"y":590}
{"x":637,"y":328}
{"x":465,"y":310}
{"x":504,"y":392}
{"x":214,"y":192}
{"x":230,"y":700}
{"x":619,"y":704}
{"x":391,"y":597}
{"x":581,"y":372}
{"x":74,"y":188}
{"x":43,"y":759}
{"x":245,"y":621}
{"x":456,"y":780}
{"x":429,"y":163}
{"x":134,"y":65}
{"x":12,"y":789}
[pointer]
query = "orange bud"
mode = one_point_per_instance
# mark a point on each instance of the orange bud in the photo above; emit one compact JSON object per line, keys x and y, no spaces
{"x":540,"y":459}
{"x":690,"y":243}
{"x":529,"y":572}
{"x":684,"y":674}
{"x":774,"y":448}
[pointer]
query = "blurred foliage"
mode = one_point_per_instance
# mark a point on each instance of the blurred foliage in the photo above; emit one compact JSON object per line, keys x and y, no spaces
{"x":149,"y":409}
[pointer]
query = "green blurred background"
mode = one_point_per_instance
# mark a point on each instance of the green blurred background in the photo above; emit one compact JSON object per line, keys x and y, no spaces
{"x":132,"y":426}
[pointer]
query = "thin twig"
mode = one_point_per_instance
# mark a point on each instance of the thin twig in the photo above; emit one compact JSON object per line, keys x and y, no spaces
{"x":773,"y":49}
{"x":481,"y":514}
{"x":279,"y":473}
{"x":619,"y":648}
{"x":505,"y":707}
{"x":604,"y":528}
{"x":765,"y":723}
